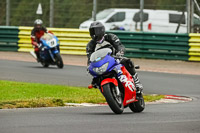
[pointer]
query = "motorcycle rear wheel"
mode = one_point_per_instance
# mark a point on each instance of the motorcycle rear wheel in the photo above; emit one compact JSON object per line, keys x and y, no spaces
{"x":138,"y":106}
{"x":116,"y":104}
{"x":59,"y":61}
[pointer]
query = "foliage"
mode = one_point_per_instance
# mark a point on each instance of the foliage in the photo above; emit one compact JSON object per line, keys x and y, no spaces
{"x":70,"y":13}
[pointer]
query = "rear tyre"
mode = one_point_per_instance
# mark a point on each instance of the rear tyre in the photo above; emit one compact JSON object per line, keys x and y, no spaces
{"x":115,"y":102}
{"x":138,"y":106}
{"x":59,"y":61}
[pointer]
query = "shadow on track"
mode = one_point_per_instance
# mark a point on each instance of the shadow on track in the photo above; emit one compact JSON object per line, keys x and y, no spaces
{"x":41,"y":67}
{"x":111,"y":113}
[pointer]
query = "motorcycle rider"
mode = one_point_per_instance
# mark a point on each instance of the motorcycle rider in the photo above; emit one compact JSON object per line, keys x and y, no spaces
{"x":101,"y":40}
{"x":36,"y":34}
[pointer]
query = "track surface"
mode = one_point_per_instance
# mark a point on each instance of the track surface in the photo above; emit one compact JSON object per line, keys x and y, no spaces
{"x":165,"y":118}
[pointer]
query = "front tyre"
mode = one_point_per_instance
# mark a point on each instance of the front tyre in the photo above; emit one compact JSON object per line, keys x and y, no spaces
{"x":114,"y":101}
{"x":59,"y":61}
{"x":138,"y":106}
{"x":44,"y":64}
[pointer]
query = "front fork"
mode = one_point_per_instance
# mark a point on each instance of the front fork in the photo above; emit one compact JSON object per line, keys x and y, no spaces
{"x":56,"y":50}
{"x":52,"y":57}
{"x":117,"y":91}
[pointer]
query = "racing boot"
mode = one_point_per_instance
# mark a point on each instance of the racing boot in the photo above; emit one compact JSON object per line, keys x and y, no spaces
{"x":93,"y":84}
{"x":38,"y":56}
{"x":138,"y":84}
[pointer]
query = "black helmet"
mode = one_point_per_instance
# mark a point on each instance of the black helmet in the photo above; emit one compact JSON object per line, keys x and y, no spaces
{"x":97,"y":31}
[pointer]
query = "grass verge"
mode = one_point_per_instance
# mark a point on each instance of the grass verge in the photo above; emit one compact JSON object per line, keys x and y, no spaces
{"x":29,"y":95}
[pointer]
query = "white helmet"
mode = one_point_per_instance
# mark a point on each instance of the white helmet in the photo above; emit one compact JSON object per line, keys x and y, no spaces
{"x":38,"y":22}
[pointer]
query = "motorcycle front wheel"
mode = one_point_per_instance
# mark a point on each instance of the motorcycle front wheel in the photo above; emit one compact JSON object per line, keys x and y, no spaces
{"x":59,"y":61}
{"x":44,"y":64}
{"x":115,"y":102}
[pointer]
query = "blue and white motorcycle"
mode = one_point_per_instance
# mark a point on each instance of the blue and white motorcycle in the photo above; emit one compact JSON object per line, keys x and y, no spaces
{"x":50,"y":51}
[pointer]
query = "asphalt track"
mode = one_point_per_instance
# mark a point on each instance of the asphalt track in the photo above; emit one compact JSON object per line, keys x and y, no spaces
{"x":157,"y":118}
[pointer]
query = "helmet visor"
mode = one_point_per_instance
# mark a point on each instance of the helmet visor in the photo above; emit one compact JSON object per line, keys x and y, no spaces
{"x":96,"y":33}
{"x":38,"y":26}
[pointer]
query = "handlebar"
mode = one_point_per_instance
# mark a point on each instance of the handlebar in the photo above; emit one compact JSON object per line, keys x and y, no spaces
{"x":120,"y":58}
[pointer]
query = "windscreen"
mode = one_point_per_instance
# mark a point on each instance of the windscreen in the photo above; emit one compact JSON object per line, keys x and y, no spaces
{"x":97,"y":55}
{"x":47,"y":36}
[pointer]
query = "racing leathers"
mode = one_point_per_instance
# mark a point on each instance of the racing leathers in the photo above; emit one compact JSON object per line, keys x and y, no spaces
{"x":113,"y":42}
{"x":36,"y":34}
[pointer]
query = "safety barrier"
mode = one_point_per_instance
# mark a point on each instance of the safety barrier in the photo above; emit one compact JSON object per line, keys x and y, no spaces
{"x":155,"y":45}
{"x":194,"y":43}
{"x":138,"y":44}
{"x":72,"y":41}
{"x":8,"y":38}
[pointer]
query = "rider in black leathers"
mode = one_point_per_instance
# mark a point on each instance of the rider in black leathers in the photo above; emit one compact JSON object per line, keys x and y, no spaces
{"x":102,"y":40}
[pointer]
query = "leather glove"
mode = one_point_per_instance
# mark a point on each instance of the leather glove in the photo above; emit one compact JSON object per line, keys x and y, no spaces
{"x":120,"y":54}
{"x":39,"y":45}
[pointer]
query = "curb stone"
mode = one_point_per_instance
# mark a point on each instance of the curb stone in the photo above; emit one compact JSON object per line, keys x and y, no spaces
{"x":166,"y":99}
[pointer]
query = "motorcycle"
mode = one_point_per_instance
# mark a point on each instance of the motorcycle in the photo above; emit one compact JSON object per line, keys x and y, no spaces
{"x":115,"y":82}
{"x":50,"y":51}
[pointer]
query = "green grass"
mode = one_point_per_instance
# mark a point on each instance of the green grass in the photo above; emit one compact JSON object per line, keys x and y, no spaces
{"x":21,"y":94}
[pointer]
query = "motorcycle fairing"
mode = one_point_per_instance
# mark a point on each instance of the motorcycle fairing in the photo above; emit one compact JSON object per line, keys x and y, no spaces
{"x":111,"y":62}
{"x":128,"y":83}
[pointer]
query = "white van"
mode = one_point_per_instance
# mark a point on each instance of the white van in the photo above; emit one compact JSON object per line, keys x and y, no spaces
{"x":154,"y":20}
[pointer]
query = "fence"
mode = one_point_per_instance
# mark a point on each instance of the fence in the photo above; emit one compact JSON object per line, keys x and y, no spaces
{"x":138,"y":44}
{"x":8,"y":38}
{"x":71,"y":13}
{"x":72,"y":41}
{"x":155,"y":45}
{"x":194,"y":43}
